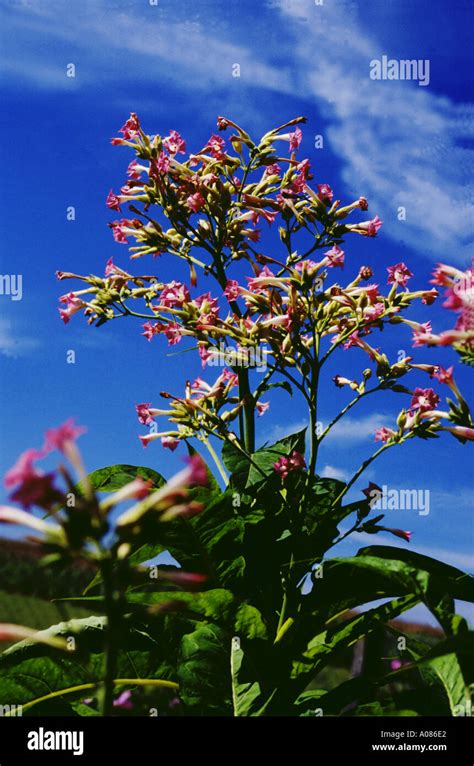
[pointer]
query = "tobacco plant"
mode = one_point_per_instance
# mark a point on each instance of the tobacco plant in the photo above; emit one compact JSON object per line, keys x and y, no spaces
{"x":257,"y":607}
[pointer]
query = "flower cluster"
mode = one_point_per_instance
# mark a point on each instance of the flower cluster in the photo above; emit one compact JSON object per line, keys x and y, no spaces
{"x":77,"y":516}
{"x":291,"y":310}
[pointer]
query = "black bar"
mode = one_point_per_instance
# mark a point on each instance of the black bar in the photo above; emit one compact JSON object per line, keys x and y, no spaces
{"x":124,"y":740}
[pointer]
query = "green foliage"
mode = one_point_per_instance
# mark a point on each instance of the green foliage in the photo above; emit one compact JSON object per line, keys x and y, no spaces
{"x":250,"y":640}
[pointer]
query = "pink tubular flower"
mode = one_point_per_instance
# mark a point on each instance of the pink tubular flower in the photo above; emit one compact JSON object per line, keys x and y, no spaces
{"x":195,"y":202}
{"x":38,"y":490}
{"x":23,"y":469}
{"x":424,"y":399}
{"x":169,"y":442}
{"x":372,"y":313}
{"x":325,"y":193}
{"x":59,"y":438}
{"x":124,"y":701}
{"x":216,"y":146}
{"x":444,"y":375}
{"x":196,"y":472}
{"x":335,"y":256}
{"x":462,"y":432}
{"x":446,"y":275}
{"x":232,"y":290}
{"x":399,"y":274}
{"x":112,"y":201}
{"x":383,"y":434}
{"x":285,"y":465}
{"x":174,"y":333}
{"x":74,"y":304}
{"x":204,"y":353}
{"x":262,"y":407}
{"x":147,"y":438}
{"x":183,"y":578}
{"x":174,"y":143}
{"x":131,"y":127}
{"x":421,"y":334}
{"x":272,"y":170}
{"x":373,"y":493}
{"x":367,"y":228}
{"x":151,"y":329}
{"x":162,"y":164}
{"x":402,"y":533}
{"x":144,"y":414}
{"x":295,"y":139}
{"x":135,"y":170}
{"x":174,"y":294}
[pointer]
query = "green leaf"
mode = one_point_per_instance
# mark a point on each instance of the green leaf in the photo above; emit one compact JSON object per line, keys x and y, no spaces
{"x":114,"y":477}
{"x":29,"y":671}
{"x":325,"y":645}
{"x":211,"y":541}
{"x":216,"y":604}
{"x":247,"y":698}
{"x":279,"y":384}
{"x":237,"y":463}
{"x":249,"y":622}
{"x":350,"y":582}
{"x":264,"y":458}
{"x":203,"y":673}
{"x":464,"y":583}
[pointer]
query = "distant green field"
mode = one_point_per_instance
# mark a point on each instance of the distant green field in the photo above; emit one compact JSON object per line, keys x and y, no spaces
{"x":35,"y":612}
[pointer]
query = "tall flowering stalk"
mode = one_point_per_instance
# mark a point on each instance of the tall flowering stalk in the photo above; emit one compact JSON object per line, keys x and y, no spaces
{"x":290,"y":310}
{"x":262,"y":620}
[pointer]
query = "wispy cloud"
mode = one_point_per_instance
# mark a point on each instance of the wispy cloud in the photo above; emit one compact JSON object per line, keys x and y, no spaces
{"x":331,"y":472}
{"x":13,"y":343}
{"x":351,"y":430}
{"x":400,"y":145}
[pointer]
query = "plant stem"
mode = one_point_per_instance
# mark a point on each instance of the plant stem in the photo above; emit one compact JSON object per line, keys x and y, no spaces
{"x":361,"y":470}
{"x":249,"y":410}
{"x":112,"y":611}
{"x":217,"y":461}
{"x":346,"y":409}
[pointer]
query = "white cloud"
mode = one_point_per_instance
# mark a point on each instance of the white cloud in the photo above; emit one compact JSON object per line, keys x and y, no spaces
{"x":400,"y":144}
{"x":279,"y":431}
{"x":350,"y":430}
{"x":14,"y":344}
{"x":331,"y":472}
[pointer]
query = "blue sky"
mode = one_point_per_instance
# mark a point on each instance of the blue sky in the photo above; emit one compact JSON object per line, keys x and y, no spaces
{"x":395,"y":142}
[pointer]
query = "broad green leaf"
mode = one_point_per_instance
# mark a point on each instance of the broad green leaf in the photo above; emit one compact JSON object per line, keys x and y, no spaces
{"x":249,"y":622}
{"x":351,"y":582}
{"x":29,"y":671}
{"x":114,"y":477}
{"x":203,"y":673}
{"x":264,"y":458}
{"x":464,"y":582}
{"x":322,"y":647}
{"x":246,"y":694}
{"x":211,"y":541}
